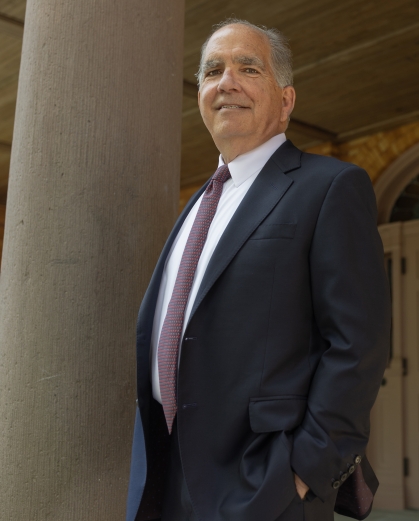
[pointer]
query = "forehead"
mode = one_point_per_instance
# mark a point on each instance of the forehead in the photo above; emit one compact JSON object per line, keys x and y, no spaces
{"x":237,"y":39}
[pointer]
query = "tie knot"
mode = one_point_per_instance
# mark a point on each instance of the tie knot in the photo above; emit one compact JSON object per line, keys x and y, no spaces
{"x":221,"y":174}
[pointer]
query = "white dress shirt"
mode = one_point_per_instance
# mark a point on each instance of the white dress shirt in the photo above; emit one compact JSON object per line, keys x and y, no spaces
{"x":244,"y":170}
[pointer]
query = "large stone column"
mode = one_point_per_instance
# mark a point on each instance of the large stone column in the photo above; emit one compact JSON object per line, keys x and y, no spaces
{"x":93,"y":193}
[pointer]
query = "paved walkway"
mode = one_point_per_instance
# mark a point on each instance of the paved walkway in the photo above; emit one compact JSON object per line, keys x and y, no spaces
{"x":387,"y":515}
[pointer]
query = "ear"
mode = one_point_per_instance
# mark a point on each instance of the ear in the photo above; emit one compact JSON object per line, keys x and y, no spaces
{"x":288,"y":102}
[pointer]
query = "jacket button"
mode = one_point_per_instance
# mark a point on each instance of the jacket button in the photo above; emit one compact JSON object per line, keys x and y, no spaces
{"x":351,"y":469}
{"x":336,"y":484}
{"x":344,"y":477}
{"x":357,"y":460}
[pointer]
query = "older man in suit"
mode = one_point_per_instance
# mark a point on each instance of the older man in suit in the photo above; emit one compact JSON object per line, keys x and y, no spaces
{"x":264,"y":333}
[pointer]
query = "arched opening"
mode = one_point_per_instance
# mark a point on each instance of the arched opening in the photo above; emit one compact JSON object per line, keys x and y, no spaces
{"x":406,"y":207}
{"x":393,"y":182}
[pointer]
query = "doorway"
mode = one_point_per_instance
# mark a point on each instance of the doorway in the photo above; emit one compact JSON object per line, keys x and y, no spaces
{"x":394,"y":443}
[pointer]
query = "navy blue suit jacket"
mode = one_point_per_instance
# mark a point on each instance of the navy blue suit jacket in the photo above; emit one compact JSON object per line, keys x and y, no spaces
{"x":290,"y":338}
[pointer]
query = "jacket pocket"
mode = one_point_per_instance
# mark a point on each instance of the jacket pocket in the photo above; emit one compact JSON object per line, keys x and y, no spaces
{"x":276,"y":413}
{"x":274,"y":231}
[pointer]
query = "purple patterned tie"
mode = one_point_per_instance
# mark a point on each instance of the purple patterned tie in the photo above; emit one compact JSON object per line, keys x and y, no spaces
{"x":168,"y":347}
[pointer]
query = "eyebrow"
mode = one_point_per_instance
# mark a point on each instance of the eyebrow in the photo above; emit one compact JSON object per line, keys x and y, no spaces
{"x":243,"y":60}
{"x":249,"y":60}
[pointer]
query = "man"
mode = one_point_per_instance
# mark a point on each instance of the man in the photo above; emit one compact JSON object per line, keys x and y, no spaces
{"x":264,"y":333}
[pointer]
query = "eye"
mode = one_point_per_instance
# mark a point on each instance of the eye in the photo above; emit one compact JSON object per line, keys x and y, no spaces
{"x":213,"y":72}
{"x":251,"y":71}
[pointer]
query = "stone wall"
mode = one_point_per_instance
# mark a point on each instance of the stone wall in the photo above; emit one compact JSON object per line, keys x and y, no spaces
{"x":375,"y":152}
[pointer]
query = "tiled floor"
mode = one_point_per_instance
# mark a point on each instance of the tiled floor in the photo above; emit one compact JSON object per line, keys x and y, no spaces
{"x":387,"y":515}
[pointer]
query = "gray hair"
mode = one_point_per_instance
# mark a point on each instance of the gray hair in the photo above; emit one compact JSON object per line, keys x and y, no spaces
{"x":281,"y":57}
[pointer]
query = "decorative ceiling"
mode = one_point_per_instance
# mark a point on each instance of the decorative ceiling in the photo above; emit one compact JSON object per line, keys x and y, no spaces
{"x":356,"y":68}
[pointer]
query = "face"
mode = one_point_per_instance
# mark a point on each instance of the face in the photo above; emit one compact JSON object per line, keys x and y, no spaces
{"x":240,"y":102}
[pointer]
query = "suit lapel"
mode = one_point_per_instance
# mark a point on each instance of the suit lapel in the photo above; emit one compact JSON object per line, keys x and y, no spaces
{"x":146,"y":313}
{"x":148,"y":308}
{"x":264,"y":194}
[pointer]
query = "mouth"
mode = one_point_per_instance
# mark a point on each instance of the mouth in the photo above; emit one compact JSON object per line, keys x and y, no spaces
{"x":221,"y":107}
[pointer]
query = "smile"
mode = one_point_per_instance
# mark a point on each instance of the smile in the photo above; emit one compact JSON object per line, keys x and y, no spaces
{"x":232,"y":107}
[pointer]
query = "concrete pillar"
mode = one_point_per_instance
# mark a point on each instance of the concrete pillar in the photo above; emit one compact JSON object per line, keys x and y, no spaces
{"x":93,"y":193}
{"x":2,"y":217}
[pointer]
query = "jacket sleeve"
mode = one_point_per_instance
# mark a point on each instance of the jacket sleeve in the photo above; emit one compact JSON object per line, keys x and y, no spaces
{"x":351,"y":306}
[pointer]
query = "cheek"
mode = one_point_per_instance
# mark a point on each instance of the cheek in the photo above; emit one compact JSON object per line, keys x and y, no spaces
{"x":202,"y":98}
{"x":206,"y":113}
{"x":270,"y":101}
{"x":272,"y":109}
{"x":264,"y":100}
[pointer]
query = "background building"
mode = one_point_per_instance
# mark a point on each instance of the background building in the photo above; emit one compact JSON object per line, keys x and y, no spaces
{"x":356,"y":69}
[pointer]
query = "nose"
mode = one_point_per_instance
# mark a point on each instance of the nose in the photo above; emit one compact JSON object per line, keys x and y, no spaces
{"x":228,"y":81}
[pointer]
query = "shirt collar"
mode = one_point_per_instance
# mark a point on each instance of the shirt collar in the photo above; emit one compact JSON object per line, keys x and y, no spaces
{"x":251,"y":163}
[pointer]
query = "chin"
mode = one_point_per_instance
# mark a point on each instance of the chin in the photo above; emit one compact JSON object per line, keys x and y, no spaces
{"x":229,"y":130}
